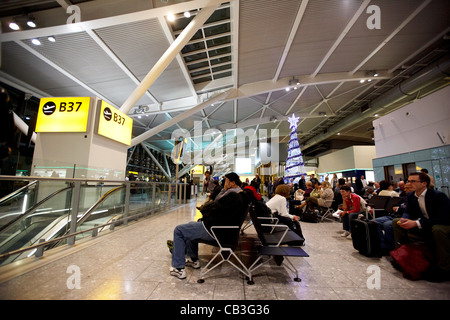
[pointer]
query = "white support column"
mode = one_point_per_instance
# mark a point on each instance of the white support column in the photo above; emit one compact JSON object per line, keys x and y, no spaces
{"x":168,"y":56}
{"x":23,"y":126}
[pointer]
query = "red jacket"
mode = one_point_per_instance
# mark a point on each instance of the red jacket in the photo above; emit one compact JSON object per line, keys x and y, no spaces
{"x":353,"y":203}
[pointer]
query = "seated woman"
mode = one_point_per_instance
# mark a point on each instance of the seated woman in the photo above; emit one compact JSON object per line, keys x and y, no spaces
{"x":325,"y":199}
{"x":309,"y":189}
{"x":315,"y":194}
{"x":298,"y":195}
{"x":278,"y":204}
{"x":351,"y":208}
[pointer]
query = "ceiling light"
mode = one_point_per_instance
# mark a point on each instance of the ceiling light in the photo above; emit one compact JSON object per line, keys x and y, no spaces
{"x":171,"y":17}
{"x":375,"y":74}
{"x":362,"y":81}
{"x":31,"y":24}
{"x":14,"y":26}
{"x":51,"y":39}
{"x":187,"y":14}
{"x":36,"y":42}
{"x":294,"y":82}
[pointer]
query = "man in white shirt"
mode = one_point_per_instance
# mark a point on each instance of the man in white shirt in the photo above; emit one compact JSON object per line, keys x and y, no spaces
{"x":364,"y":182}
{"x":427,"y":214}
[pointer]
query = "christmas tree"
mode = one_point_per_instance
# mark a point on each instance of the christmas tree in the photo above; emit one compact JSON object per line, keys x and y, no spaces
{"x":294,"y":161}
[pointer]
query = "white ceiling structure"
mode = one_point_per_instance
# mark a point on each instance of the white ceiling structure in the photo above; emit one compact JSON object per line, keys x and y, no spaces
{"x":228,"y":65}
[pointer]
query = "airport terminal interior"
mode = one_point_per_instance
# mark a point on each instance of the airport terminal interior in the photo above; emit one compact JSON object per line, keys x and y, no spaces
{"x":113,"y":112}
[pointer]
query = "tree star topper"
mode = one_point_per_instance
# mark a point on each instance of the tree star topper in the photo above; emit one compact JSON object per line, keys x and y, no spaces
{"x":293,"y":121}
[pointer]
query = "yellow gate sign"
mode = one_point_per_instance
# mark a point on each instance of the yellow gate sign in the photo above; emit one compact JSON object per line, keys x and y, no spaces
{"x":66,"y":114}
{"x":114,"y":124}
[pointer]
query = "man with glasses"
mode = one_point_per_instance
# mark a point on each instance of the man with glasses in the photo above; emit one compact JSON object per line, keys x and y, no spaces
{"x":427,"y":215}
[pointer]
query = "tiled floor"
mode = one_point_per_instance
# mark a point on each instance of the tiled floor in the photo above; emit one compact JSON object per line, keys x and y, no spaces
{"x":133,"y":263}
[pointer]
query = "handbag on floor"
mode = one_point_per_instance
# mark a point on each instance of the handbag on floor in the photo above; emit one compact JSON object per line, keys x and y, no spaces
{"x":413,"y":260}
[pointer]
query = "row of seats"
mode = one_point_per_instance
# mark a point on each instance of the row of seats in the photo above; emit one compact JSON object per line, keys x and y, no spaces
{"x":277,"y":242}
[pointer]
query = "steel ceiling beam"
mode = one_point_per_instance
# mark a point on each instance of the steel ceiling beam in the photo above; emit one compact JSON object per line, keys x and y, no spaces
{"x":168,"y":56}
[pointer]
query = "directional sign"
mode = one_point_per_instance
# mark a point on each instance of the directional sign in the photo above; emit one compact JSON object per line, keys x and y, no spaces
{"x":114,"y":124}
{"x":68,"y":114}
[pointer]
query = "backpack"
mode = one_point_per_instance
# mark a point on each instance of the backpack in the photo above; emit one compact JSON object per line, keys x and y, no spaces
{"x":309,"y":215}
{"x":262,"y":210}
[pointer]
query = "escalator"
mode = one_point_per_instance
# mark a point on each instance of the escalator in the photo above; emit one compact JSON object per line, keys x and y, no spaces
{"x":24,"y":223}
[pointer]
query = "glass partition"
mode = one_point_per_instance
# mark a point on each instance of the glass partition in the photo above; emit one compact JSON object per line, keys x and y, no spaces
{"x":49,"y":210}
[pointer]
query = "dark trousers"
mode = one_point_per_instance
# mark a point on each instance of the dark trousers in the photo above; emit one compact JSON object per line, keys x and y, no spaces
{"x":438,"y":238}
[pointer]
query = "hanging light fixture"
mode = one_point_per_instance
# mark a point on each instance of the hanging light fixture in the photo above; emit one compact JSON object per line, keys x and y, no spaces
{"x":293,"y":82}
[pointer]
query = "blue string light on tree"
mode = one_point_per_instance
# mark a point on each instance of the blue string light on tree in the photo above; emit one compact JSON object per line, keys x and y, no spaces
{"x":294,"y":161}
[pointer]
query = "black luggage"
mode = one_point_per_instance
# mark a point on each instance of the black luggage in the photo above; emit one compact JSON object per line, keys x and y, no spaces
{"x":309,"y":215}
{"x":365,"y":237}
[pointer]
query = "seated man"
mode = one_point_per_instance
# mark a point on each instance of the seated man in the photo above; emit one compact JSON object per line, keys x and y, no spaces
{"x":385,"y":229}
{"x":226,"y":210}
{"x":387,"y":189}
{"x":427,"y":215}
{"x":212,"y":196}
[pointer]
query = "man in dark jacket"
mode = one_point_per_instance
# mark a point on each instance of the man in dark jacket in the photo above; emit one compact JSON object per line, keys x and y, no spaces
{"x":427,"y":215}
{"x":227,"y":210}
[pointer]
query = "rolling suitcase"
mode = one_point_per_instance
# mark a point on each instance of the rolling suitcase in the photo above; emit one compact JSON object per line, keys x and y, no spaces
{"x":365,"y":237}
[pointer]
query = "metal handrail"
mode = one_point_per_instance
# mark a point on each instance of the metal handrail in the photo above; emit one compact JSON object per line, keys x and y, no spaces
{"x":97,"y":227}
{"x":13,"y":194}
{"x":45,"y":243}
{"x":33,"y":208}
{"x":88,"y":212}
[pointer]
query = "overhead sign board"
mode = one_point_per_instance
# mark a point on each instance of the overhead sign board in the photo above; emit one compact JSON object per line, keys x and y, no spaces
{"x":198,"y":169}
{"x":63,"y":114}
{"x":114,"y":124}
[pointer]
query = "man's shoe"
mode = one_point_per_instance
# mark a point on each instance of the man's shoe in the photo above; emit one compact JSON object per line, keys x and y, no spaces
{"x":193,"y":264}
{"x":349,"y":237}
{"x":179,"y":273}
{"x":345,"y":234}
{"x":170,"y":245}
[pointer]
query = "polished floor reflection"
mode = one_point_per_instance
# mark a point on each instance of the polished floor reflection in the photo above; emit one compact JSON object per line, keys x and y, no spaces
{"x":133,"y":263}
